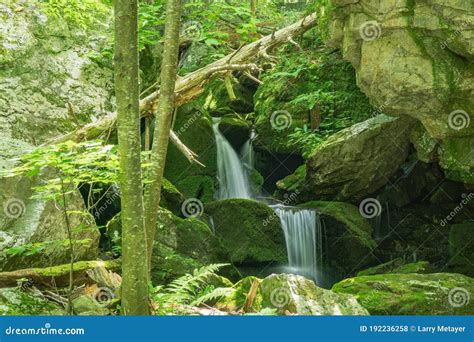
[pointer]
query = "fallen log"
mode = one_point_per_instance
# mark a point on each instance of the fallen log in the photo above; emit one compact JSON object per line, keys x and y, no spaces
{"x":191,"y":85}
{"x":56,"y":276}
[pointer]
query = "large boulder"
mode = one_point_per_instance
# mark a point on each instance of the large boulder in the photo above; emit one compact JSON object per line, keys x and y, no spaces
{"x":294,"y":294}
{"x":412,"y":59}
{"x":182,"y":245}
{"x":194,"y":127}
{"x":412,"y":294}
{"x":461,"y":246}
{"x":34,"y":231}
{"x":251,"y":233}
{"x":397,"y":266}
{"x":345,"y":230}
{"x":52,"y":74}
{"x":358,"y":160}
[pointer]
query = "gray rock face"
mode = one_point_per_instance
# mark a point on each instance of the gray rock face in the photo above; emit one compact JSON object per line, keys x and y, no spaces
{"x":294,"y":294}
{"x":358,"y":160}
{"x":49,"y":80}
{"x":412,"y":58}
{"x":39,"y":224}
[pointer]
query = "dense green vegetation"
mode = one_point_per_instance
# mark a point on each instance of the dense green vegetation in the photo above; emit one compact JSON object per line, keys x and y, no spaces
{"x":115,"y":142}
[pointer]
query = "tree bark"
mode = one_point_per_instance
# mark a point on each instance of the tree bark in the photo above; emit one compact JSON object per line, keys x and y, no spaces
{"x":164,"y":117}
{"x":135,"y":299}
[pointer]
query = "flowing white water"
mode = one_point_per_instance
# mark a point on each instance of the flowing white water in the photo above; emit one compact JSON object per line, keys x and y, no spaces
{"x":302,"y":227}
{"x":304,"y":240}
{"x":231,"y":173}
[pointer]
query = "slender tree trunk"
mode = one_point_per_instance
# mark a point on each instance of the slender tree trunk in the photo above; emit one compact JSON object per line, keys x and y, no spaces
{"x":135,"y":299}
{"x":164,"y":117}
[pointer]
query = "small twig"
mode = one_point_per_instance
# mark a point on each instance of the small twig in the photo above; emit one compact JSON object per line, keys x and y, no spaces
{"x":253,"y":78}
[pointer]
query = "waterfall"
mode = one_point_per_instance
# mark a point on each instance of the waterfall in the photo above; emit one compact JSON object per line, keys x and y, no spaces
{"x":304,"y":240}
{"x":231,"y":173}
{"x":302,"y":227}
{"x":247,"y":153}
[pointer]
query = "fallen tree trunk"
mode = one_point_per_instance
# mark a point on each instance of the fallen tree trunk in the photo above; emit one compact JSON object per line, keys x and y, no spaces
{"x":56,"y":276}
{"x":191,"y":85}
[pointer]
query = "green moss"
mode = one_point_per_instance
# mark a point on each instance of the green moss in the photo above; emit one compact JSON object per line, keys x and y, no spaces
{"x":61,"y":270}
{"x":318,"y":78}
{"x":181,"y":246}
{"x":236,"y":300}
{"x":295,"y":181}
{"x":15,"y":302}
{"x":408,"y":294}
{"x":397,"y":266}
{"x":455,"y":158}
{"x":461,"y":243}
{"x":347,"y":214}
{"x":250,"y":231}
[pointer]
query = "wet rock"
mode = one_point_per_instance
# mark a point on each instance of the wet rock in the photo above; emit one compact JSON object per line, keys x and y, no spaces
{"x":293,"y":294}
{"x":411,"y":294}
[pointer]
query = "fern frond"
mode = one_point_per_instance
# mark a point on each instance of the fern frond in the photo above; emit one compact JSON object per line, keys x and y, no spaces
{"x":217,"y":293}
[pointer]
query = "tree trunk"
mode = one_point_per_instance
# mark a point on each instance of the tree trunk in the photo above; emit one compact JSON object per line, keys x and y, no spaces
{"x":135,"y":299}
{"x":164,"y":117}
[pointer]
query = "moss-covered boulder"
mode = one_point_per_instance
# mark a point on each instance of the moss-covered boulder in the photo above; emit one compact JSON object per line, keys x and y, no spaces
{"x":34,"y":231}
{"x":345,"y":230}
{"x":412,"y":294}
{"x":461,"y":245}
{"x":397,"y":266}
{"x":235,"y":130}
{"x":52,"y":66}
{"x":194,"y":127}
{"x":250,"y":232}
{"x":359,"y":160}
{"x":316,"y":88}
{"x":413,"y":60}
{"x":294,"y":294}
{"x":182,"y":245}
{"x":456,"y":157}
{"x":15,"y":302}
{"x":171,"y":197}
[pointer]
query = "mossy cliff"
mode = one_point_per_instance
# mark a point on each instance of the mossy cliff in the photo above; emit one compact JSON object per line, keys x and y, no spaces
{"x":413,"y":58}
